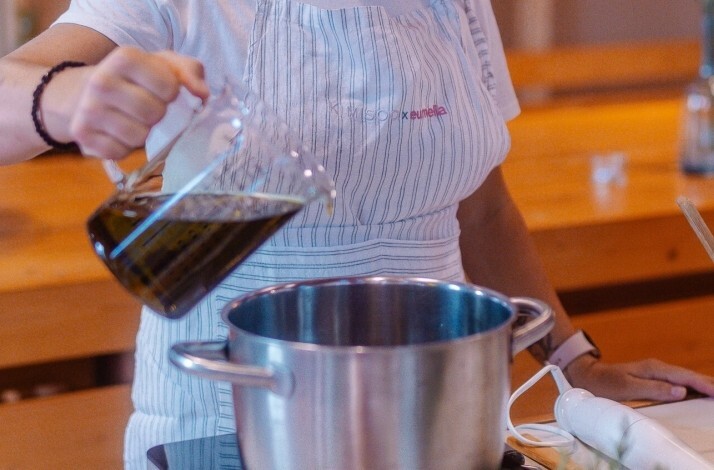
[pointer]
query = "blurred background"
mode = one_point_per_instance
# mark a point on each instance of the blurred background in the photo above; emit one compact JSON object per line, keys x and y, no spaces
{"x":523,"y":23}
{"x":533,"y":23}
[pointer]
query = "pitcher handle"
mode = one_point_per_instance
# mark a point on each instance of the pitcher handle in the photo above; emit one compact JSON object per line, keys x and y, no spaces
{"x":540,"y":324}
{"x":125,"y":181}
{"x":209,"y":360}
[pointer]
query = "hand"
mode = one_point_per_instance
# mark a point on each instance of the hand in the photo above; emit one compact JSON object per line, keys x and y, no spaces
{"x":650,"y":379}
{"x":119,"y":100}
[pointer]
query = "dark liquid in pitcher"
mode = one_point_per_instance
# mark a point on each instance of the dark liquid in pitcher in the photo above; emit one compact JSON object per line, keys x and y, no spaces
{"x":172,"y":258}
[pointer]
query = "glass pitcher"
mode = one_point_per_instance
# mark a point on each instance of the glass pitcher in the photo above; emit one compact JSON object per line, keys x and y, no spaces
{"x":176,"y":227}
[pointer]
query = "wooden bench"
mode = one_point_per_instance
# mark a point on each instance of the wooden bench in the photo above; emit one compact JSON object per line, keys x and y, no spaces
{"x":58,"y":323}
{"x":63,"y":318}
{"x":619,"y":69}
{"x":78,"y":430}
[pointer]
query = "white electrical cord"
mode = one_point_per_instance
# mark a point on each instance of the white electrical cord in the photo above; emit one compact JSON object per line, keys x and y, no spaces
{"x":563,"y":385}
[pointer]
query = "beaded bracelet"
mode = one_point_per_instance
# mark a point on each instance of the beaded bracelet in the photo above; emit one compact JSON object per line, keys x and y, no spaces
{"x":36,"y":114}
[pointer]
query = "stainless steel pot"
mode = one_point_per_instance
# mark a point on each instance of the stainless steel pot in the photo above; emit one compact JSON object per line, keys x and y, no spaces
{"x":369,"y":373}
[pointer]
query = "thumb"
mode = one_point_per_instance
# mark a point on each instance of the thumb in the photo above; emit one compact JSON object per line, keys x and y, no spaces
{"x":189,"y":71}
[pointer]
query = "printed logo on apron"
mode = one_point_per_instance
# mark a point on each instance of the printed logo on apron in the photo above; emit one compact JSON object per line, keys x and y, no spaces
{"x":391,"y":105}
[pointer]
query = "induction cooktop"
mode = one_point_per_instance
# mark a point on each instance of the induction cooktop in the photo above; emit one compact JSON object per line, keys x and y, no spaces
{"x":222,"y":453}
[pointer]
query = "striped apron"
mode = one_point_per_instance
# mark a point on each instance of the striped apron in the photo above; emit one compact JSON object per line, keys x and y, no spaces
{"x":403,"y":117}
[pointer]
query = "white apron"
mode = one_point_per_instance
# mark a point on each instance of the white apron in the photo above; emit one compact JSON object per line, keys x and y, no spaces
{"x":390,"y":105}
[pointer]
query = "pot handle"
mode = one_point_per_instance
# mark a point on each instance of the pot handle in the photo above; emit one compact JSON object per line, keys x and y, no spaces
{"x":542,"y":321}
{"x":209,"y":360}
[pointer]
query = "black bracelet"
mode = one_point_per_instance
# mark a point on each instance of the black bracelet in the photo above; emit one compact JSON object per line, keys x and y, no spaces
{"x":37,"y":94}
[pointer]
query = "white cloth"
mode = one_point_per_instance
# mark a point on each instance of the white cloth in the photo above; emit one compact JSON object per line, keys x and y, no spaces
{"x":406,"y":134}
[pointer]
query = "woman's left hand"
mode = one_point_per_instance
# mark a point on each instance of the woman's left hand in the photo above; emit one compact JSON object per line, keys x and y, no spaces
{"x":649,"y":379}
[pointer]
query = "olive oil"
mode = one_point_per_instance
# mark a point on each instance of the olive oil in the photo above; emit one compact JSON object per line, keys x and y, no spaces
{"x":171,"y":251}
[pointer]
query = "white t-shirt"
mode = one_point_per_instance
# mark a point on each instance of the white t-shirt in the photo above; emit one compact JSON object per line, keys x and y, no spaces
{"x":217,"y":31}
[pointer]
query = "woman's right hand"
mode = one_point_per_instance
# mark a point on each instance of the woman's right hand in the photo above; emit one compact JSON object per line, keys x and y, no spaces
{"x":648,"y":379}
{"x":114,"y":104}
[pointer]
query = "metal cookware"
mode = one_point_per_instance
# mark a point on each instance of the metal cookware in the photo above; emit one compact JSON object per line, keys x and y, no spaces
{"x":370,"y":373}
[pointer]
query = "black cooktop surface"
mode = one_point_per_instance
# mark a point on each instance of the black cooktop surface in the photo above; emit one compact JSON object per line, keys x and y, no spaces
{"x":222,"y":453}
{"x":209,"y":453}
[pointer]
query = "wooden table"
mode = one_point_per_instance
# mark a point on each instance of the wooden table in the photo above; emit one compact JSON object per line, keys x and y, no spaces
{"x":593,"y":235}
{"x":48,"y":271}
{"x":58,"y":303}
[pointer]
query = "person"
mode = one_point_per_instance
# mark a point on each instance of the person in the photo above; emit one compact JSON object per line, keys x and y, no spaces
{"x":404,"y":102}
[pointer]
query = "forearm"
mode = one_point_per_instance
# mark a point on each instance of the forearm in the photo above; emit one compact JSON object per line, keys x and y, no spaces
{"x":21,"y":72}
{"x":56,"y":104}
{"x":17,"y":134}
{"x":108,"y":107}
{"x":498,"y":252}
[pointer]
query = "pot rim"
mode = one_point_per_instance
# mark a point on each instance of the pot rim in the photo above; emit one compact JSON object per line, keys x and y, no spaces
{"x":235,"y":331}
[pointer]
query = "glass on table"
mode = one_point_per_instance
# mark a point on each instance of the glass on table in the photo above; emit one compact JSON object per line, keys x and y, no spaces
{"x":697,"y":139}
{"x":697,"y":135}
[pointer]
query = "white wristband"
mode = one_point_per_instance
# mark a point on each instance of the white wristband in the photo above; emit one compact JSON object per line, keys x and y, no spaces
{"x":572,"y":348}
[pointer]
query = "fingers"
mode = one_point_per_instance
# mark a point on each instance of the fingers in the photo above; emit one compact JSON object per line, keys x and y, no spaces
{"x":650,"y":389}
{"x":670,"y":382}
{"x":189,"y":72}
{"x":126,"y":95}
{"x":650,"y":379}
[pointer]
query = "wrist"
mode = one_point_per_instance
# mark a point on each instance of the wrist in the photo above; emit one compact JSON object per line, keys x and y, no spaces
{"x":577,"y":346}
{"x":53,"y":103}
{"x":580,"y":370}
